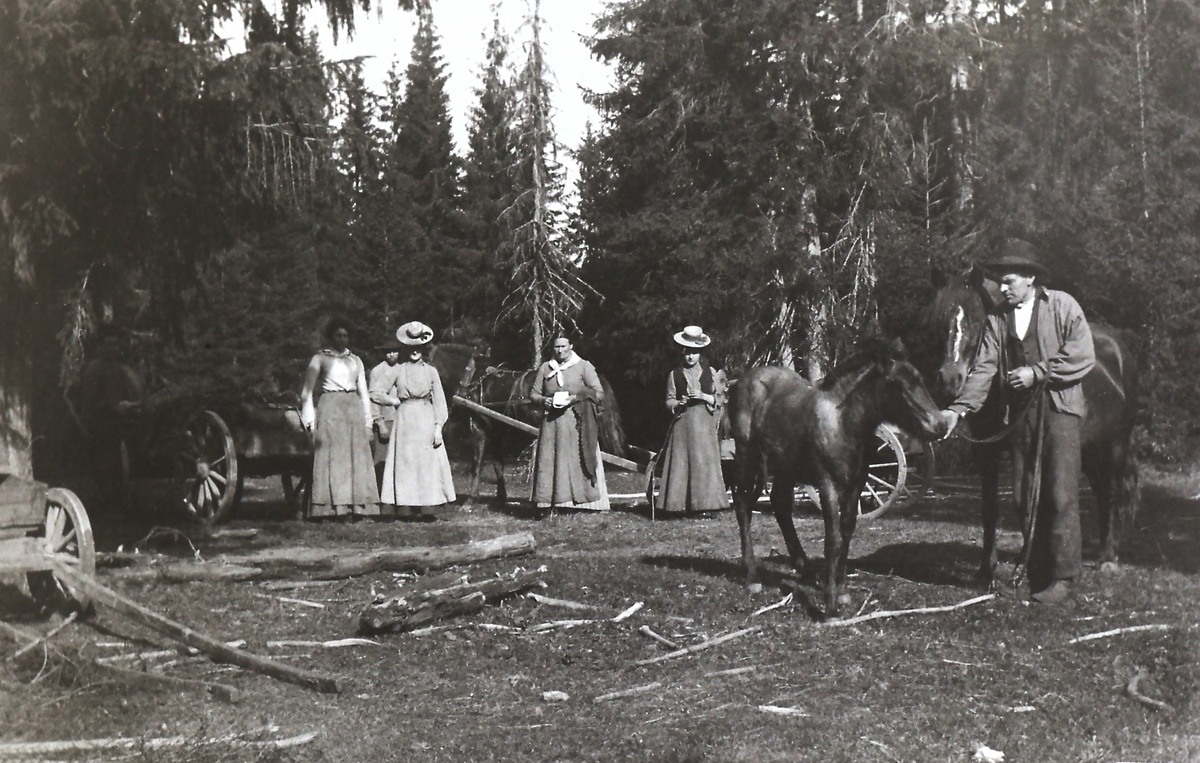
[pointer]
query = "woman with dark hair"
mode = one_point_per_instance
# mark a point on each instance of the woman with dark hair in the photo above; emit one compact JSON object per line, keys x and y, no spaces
{"x":343,"y":483}
{"x":691,"y":459}
{"x":416,"y":472}
{"x":567,"y":469}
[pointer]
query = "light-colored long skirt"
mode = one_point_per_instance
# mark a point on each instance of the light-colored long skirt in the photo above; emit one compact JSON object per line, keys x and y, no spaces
{"x":416,"y":473}
{"x":558,"y":477}
{"x":691,"y":466}
{"x":343,"y":470}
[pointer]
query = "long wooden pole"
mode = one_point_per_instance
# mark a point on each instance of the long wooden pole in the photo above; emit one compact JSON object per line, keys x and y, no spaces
{"x":214,"y":649}
{"x":471,"y":405}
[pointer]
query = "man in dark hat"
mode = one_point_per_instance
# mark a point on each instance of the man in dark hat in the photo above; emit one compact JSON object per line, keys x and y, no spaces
{"x":1038,"y":343}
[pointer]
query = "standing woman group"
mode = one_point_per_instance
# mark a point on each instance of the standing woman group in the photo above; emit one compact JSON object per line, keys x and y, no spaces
{"x":405,"y":407}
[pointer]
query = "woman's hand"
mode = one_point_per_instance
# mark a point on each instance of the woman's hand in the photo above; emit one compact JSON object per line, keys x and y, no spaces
{"x":437,"y":437}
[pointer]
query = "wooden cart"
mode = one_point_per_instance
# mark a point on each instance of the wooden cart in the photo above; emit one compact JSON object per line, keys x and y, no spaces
{"x":39,"y":527}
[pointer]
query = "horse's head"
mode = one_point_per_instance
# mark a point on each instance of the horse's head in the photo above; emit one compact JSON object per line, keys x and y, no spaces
{"x":897,"y":390}
{"x":958,"y":314}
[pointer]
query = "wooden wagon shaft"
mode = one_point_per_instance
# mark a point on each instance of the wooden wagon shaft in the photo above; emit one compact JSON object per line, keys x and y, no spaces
{"x":214,"y":649}
{"x":617,"y":461}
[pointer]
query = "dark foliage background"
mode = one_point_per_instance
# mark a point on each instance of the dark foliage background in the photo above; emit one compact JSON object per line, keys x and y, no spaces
{"x":784,"y":172}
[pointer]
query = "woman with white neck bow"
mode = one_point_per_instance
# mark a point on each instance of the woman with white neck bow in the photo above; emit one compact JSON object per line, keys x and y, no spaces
{"x":691,"y":458}
{"x":567,"y":470}
{"x":343,"y":483}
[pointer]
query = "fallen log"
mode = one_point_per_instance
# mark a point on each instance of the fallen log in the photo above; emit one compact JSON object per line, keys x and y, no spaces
{"x":11,"y":749}
{"x":214,"y":649}
{"x":398,"y":614}
{"x":143,"y":680}
{"x":333,"y":563}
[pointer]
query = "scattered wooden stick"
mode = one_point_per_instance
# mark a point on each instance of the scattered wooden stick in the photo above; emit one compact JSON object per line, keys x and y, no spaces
{"x":1132,"y":690}
{"x":701,"y":646}
{"x":49,"y":635}
{"x":290,"y":600}
{"x":629,"y":612}
{"x":628,"y":692}
{"x":291,"y":585}
{"x":157,"y":743}
{"x":1119,"y":631}
{"x":776,"y":710}
{"x":157,"y":653}
{"x":551,"y":602}
{"x":143,"y":680}
{"x":216,"y":650}
{"x":645,"y":631}
{"x":918,"y":611}
{"x":325,"y":644}
{"x":786,"y":601}
{"x":732,"y":671}
{"x":556,"y":624}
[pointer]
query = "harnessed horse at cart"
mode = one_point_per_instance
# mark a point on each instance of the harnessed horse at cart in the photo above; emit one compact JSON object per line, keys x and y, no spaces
{"x":823,"y":436}
{"x":959,"y":312}
{"x":502,"y":419}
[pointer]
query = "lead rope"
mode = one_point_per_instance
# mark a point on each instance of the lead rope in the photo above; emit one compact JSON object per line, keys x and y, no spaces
{"x":1033,"y":493}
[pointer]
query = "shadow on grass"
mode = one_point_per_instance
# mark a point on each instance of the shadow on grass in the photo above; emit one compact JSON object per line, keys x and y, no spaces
{"x":1165,"y":534}
{"x":945,"y":564}
{"x":775,"y":572}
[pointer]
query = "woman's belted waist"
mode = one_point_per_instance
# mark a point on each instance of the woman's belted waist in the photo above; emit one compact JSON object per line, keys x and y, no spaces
{"x":425,"y":399}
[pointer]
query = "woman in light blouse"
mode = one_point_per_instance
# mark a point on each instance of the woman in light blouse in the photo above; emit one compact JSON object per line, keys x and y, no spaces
{"x":343,"y":483}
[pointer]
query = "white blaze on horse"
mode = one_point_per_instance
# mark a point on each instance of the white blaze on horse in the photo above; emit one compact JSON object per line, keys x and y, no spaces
{"x":822,"y":436}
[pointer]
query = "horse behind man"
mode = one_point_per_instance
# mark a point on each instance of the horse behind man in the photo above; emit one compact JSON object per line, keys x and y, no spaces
{"x":822,"y":436}
{"x":507,"y":393}
{"x":960,"y":309}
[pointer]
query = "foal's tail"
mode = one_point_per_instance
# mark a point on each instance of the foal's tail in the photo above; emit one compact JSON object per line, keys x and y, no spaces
{"x":1128,"y":491}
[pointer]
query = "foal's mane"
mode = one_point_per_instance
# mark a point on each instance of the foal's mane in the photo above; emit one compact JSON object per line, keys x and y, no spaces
{"x":847,"y":375}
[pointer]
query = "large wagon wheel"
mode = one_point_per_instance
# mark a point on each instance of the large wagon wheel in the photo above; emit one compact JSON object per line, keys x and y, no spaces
{"x":66,"y":538}
{"x":886,"y":476}
{"x":208,"y":468}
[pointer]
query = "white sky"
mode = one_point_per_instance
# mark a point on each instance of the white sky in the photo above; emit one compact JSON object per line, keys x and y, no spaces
{"x":464,"y":27}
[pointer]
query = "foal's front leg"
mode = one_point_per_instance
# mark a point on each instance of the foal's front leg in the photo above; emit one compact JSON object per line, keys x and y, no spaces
{"x":831,"y":501}
{"x":745,"y":492}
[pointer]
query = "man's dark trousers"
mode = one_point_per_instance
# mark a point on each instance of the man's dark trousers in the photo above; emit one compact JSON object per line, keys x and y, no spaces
{"x":1057,"y":552}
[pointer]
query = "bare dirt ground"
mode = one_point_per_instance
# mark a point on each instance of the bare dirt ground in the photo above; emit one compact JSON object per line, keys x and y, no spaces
{"x":920,"y":688}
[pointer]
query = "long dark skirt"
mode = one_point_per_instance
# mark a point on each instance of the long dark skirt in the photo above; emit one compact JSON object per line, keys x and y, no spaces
{"x":343,"y":470}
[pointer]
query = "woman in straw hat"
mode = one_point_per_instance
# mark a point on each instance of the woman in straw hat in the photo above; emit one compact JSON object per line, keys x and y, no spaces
{"x":691,"y":457}
{"x":416,"y":472}
{"x":567,"y":468}
{"x":343,"y":482}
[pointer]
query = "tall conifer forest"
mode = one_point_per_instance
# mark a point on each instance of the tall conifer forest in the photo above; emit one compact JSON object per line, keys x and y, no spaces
{"x":787,"y":173}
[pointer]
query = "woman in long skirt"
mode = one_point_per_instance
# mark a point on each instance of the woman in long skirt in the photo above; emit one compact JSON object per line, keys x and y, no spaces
{"x":416,"y":472}
{"x":343,"y":483}
{"x":691,"y":459}
{"x":567,"y":470}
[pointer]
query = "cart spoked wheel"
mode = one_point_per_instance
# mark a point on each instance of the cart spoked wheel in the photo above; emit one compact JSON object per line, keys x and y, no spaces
{"x":208,"y":468}
{"x":65,"y":538}
{"x":297,"y":490}
{"x":886,"y":476}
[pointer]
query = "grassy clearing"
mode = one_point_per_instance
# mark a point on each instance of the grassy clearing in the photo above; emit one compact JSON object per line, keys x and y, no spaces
{"x":925,"y":688}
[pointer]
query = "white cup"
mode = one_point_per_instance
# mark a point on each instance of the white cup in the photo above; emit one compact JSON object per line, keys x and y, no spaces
{"x":561,"y":399}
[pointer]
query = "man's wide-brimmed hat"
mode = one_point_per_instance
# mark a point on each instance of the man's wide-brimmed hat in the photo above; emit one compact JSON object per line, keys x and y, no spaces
{"x":414,"y":334}
{"x":1016,"y":256}
{"x":693,"y":336}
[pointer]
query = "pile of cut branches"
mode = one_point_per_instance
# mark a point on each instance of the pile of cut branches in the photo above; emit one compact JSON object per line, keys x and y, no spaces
{"x":441,"y":597}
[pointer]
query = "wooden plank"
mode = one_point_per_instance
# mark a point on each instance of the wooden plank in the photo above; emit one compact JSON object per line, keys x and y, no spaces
{"x":617,"y":461}
{"x":217,"y":651}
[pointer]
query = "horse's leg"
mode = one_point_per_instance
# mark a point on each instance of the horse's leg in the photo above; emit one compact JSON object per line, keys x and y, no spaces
{"x":745,"y":492}
{"x":849,"y":520}
{"x":782,"y":496}
{"x":831,"y":501}
{"x":499,"y":448}
{"x":989,"y":484}
{"x":478,"y":445}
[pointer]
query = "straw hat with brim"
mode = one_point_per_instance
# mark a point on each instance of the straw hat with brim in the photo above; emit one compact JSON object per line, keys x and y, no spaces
{"x":693,"y":337}
{"x":391,"y":344}
{"x":414,"y":334}
{"x":1016,"y":256}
